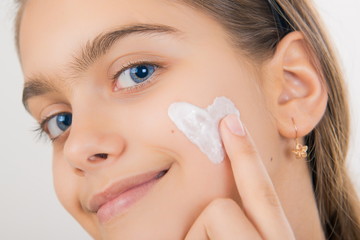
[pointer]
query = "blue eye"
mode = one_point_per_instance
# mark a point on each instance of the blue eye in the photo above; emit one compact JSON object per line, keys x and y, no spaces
{"x":134,"y":75}
{"x":58,"y":124}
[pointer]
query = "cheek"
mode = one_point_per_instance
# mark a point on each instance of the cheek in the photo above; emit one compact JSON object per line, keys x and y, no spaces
{"x":193,"y":181}
{"x":65,"y":184}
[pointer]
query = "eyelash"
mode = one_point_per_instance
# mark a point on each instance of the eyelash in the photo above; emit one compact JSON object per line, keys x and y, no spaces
{"x":40,"y":133}
{"x":140,"y":85}
{"x":40,"y":129}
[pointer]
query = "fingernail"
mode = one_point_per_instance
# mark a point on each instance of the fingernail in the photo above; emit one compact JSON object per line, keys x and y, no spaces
{"x":234,"y":125}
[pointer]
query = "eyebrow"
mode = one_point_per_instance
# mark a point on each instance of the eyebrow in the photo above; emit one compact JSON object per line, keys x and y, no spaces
{"x":92,"y":51}
{"x":36,"y":87}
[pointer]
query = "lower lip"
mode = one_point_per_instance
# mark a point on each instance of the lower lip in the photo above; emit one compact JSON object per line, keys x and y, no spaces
{"x":124,"y":201}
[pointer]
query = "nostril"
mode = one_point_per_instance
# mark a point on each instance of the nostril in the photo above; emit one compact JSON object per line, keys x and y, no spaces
{"x":102,"y":155}
{"x":79,"y":172}
{"x":98,"y":157}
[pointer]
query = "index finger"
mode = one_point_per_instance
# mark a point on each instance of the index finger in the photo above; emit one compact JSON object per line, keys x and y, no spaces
{"x":259,"y":198}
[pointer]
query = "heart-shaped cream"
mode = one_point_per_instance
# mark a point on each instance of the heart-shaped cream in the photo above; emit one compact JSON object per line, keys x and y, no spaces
{"x":201,"y":126}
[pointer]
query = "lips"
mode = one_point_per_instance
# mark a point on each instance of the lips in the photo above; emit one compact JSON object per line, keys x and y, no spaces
{"x":122,"y":194}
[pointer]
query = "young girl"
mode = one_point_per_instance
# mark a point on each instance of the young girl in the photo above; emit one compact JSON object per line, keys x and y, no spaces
{"x":101,"y":76}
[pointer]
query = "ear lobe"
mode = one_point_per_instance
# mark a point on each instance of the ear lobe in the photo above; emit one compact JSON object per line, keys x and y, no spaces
{"x":300,"y":92}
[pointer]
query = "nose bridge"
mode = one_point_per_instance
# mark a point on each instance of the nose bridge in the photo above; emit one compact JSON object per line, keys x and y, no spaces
{"x":92,"y":140}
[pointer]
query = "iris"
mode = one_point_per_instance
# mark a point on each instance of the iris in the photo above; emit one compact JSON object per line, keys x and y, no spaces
{"x":141,"y":73}
{"x":63,"y":121}
{"x":58,"y":124}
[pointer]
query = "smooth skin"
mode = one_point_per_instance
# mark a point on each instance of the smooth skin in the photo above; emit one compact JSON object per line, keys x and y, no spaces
{"x":260,"y":190}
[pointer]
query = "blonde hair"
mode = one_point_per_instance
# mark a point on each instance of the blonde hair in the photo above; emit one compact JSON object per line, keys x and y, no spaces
{"x":256,"y":26}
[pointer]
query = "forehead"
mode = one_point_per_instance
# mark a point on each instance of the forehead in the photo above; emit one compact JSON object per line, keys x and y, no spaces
{"x":52,"y":31}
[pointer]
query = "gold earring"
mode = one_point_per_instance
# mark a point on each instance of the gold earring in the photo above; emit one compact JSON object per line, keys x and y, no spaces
{"x":300,"y":150}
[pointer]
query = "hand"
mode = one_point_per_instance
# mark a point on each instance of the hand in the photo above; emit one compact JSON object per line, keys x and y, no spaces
{"x":261,"y":215}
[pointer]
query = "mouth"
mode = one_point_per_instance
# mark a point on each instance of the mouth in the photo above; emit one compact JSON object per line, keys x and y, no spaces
{"x":121,"y":195}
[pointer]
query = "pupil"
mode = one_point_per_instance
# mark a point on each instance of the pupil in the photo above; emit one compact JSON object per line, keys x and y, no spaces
{"x":141,"y":71}
{"x":64,"y":121}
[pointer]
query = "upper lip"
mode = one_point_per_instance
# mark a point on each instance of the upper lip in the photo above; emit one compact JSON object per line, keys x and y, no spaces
{"x":119,"y":187}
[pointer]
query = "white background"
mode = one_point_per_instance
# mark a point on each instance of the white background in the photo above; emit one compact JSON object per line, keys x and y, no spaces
{"x":28,"y":206}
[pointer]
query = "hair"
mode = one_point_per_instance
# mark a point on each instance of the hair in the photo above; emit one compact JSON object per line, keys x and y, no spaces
{"x":256,"y":26}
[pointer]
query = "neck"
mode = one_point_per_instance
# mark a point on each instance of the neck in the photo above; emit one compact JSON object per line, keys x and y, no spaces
{"x":298,"y":200}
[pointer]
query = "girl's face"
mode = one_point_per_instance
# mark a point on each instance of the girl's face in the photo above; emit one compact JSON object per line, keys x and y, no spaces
{"x":110,"y":123}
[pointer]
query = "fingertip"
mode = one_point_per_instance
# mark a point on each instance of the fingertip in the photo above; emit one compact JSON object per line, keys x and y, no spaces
{"x":233,"y":123}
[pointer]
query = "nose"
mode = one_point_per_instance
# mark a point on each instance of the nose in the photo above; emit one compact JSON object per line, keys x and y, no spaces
{"x":92,"y":144}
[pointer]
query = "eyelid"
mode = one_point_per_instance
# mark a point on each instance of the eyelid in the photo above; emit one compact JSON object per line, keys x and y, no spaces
{"x":133,"y":58}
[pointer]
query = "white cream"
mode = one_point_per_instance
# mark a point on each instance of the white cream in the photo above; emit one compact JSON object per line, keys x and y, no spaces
{"x":201,"y":126}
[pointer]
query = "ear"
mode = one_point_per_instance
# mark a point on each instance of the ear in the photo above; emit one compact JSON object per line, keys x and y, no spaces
{"x":295,"y":87}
